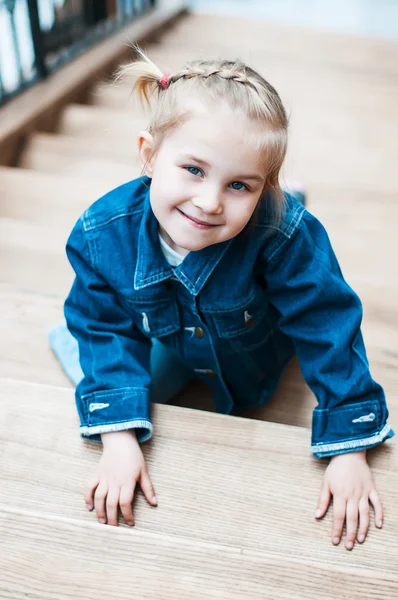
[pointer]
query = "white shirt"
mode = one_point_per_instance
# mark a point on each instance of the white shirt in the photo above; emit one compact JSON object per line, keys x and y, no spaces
{"x":173,"y":258}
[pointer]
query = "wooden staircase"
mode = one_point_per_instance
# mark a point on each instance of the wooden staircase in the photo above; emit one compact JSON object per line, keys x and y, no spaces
{"x":236,"y":495}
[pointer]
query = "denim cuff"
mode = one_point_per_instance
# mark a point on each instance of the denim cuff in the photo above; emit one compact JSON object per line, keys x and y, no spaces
{"x":115,"y":410}
{"x":349,"y":428}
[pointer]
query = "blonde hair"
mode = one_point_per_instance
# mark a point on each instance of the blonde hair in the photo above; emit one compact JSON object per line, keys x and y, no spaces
{"x":232,"y":81}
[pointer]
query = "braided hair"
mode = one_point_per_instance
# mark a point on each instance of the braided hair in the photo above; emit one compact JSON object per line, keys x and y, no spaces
{"x":243,"y":88}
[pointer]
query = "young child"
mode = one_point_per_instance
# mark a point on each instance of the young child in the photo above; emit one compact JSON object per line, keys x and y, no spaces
{"x":204,"y":268}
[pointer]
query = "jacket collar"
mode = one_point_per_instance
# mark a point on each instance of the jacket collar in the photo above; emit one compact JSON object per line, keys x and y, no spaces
{"x":152,"y":267}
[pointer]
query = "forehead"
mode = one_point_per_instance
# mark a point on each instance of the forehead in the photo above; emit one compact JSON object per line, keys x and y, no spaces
{"x":217,"y":134}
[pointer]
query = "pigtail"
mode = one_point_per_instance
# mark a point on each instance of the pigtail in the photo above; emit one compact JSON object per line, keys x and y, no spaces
{"x":147,"y":77}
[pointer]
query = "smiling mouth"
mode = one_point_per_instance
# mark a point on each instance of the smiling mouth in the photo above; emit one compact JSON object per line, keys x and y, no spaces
{"x":198,"y":221}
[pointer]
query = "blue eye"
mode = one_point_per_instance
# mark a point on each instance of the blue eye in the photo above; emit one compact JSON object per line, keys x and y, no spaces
{"x":238,"y":186}
{"x":193,"y":170}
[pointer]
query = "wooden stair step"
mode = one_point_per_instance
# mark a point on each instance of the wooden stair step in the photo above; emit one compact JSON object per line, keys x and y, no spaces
{"x":190,"y":565}
{"x":68,"y":148}
{"x":82,"y":120}
{"x":112,"y":95}
{"x":265,"y":468}
{"x":25,"y":321}
{"x":92,"y":158}
{"x":302,"y":45}
{"x":32,"y":257}
{"x":48,"y":198}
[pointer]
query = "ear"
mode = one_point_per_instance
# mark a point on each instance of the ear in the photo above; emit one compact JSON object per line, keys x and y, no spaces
{"x":145,"y":151}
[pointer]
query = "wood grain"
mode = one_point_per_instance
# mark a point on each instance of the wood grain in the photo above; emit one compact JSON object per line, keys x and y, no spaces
{"x":123,"y":562}
{"x":254,"y":485}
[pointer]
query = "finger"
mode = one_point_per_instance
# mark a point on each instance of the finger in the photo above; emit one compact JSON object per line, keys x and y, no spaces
{"x":364,"y":514}
{"x":378,"y":508}
{"x":99,"y":501}
{"x":126,"y":501}
{"x":351,"y":522}
{"x":339,"y":507}
{"x":323,"y":500}
{"x":89,"y":490}
{"x":147,"y":487}
{"x":112,"y":503}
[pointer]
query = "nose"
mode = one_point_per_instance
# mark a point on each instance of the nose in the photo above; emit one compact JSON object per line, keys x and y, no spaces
{"x":209,"y":201}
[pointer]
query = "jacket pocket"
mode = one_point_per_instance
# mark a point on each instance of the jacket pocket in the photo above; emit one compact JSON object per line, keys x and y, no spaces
{"x":155,"y":319}
{"x":246,"y":327}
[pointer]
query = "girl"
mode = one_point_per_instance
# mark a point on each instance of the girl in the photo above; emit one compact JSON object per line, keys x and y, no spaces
{"x":204,"y":268}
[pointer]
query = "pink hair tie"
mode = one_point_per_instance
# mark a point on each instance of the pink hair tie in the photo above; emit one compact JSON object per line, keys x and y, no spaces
{"x":164,"y":81}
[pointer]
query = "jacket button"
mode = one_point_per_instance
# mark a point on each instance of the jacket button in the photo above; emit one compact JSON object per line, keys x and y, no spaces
{"x":210,"y":373}
{"x":250,"y":321}
{"x":199,"y":332}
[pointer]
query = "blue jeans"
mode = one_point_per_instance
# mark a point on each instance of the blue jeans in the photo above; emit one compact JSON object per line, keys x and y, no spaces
{"x":169,"y":375}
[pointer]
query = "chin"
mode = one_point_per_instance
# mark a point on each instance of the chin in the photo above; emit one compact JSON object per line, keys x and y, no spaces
{"x":191,"y":247}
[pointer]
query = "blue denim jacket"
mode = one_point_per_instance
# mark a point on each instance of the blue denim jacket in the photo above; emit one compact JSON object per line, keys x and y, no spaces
{"x":234,"y":312}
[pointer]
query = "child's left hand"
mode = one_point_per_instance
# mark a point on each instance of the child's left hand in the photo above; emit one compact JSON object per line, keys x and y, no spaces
{"x":349,"y":480}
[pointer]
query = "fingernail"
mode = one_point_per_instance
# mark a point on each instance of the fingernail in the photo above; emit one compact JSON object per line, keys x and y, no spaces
{"x":336,"y":540}
{"x":154,"y":500}
{"x":130,"y":523}
{"x":89,"y":507}
{"x":318,"y":513}
{"x":349,"y":546}
{"x":380,"y":524}
{"x":103,"y":521}
{"x":361,"y":538}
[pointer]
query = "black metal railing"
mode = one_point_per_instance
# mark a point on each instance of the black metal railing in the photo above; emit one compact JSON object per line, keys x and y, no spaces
{"x":38,"y":36}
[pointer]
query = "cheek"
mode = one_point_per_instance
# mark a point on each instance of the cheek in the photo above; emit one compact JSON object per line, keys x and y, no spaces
{"x":166,"y":186}
{"x":240,"y":214}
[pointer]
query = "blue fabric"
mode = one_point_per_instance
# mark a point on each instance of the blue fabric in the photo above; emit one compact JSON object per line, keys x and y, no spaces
{"x":234,"y":313}
{"x":168,"y":374}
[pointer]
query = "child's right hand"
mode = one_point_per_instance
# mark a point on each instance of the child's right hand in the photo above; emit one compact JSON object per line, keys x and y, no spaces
{"x":121,"y":466}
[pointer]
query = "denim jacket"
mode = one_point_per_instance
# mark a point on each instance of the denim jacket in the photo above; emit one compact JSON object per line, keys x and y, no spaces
{"x":235,"y":312}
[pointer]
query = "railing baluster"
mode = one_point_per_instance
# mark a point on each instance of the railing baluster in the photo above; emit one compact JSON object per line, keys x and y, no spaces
{"x":129,"y":8}
{"x":120,"y":10}
{"x":10,"y":6}
{"x":2,"y":92}
{"x":57,"y":32}
{"x":37,"y":38}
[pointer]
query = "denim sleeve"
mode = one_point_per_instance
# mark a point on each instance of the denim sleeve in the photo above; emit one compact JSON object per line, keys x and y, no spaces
{"x":114,"y":393}
{"x":322,"y":315}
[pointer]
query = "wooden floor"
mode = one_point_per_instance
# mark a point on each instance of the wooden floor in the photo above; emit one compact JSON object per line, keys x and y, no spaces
{"x":236,"y":495}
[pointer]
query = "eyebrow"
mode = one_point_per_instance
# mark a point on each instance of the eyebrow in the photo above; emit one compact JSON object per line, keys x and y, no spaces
{"x":252,"y":176}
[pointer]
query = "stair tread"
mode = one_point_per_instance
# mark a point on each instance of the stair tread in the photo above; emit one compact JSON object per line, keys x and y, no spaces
{"x":32,"y":256}
{"x":48,"y":198}
{"x":67,"y":146}
{"x":303,"y":45}
{"x":236,"y":456}
{"x":83,"y":120}
{"x":92,"y":158}
{"x":190,"y":562}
